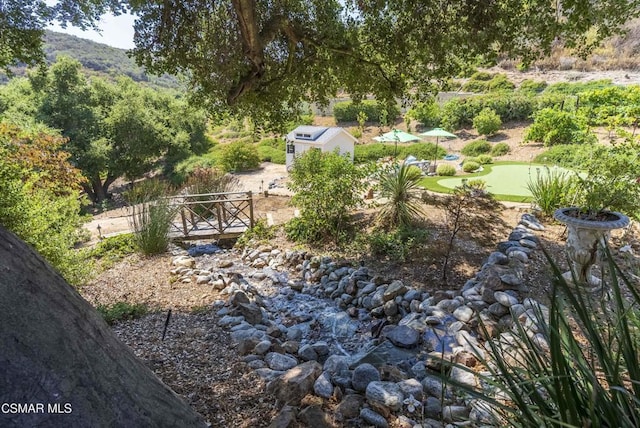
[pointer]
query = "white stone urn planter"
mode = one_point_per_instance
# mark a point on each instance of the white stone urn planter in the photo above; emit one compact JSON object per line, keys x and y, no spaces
{"x":585,"y":239}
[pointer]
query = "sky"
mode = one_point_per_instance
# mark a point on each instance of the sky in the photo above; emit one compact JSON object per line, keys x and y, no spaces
{"x":117,"y":31}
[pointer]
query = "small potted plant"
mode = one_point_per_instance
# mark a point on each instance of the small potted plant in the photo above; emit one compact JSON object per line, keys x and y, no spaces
{"x":610,"y":185}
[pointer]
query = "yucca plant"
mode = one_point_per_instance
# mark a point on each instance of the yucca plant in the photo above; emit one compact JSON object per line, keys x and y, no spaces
{"x":399,"y":186}
{"x":584,"y":378}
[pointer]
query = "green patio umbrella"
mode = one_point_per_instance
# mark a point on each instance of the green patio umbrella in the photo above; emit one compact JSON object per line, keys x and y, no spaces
{"x":438,"y":132}
{"x":396,"y":136}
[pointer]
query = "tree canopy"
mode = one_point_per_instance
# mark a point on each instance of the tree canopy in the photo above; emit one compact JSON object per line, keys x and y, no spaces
{"x":265,"y":57}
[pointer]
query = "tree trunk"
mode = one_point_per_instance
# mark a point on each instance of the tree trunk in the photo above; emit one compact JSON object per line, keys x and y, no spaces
{"x":58,"y":355}
{"x":99,"y":192}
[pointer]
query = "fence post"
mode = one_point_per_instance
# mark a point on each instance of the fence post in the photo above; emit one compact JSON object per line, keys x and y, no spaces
{"x":250,"y":208}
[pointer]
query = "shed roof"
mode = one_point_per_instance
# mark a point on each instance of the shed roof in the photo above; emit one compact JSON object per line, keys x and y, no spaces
{"x":316,"y":134}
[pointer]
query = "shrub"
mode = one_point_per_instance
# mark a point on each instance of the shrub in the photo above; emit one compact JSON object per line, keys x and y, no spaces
{"x":487,"y":122}
{"x":476,"y":148}
{"x":426,"y":112}
{"x":484,"y":159}
{"x":347,"y":111}
{"x":500,"y":149}
{"x":553,"y":127}
{"x":569,"y":155}
{"x":209,"y":180}
{"x":113,"y":248}
{"x":260,"y":232}
{"x":372,"y":152}
{"x":326,"y":186}
{"x":500,"y":82}
{"x":532,"y":86}
{"x":240,"y":156}
{"x":398,"y":245}
{"x":550,"y":189}
{"x":459,"y":112}
{"x":151,"y":222}
{"x":272,"y":150}
{"x":356,"y":132}
{"x":122,"y":311}
{"x":446,"y":170}
{"x":470,"y":166}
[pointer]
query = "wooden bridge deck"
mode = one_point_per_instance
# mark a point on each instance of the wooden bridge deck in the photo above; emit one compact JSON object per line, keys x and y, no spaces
{"x":211,"y":215}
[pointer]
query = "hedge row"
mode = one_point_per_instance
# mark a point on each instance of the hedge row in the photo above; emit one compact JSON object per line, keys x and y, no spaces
{"x":347,"y":111}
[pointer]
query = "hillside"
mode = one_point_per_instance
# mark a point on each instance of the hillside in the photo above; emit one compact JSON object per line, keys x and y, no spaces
{"x":97,"y":59}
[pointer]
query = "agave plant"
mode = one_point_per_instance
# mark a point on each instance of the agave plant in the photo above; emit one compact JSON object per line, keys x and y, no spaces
{"x":584,"y":378}
{"x":399,"y":185}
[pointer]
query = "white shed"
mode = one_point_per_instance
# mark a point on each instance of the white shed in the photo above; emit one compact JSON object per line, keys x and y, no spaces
{"x":327,"y":139}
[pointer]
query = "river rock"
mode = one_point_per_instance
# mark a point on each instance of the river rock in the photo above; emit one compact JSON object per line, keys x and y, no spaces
{"x":307,"y":353}
{"x":323,"y":386}
{"x":363,"y":375}
{"x":294,"y":384}
{"x":251,"y":312}
{"x":404,"y":336}
{"x":284,"y":419}
{"x":349,"y":407}
{"x":315,"y":417}
{"x":373,"y":418}
{"x":280,"y":362}
{"x":387,"y":394}
{"x":396,"y":288}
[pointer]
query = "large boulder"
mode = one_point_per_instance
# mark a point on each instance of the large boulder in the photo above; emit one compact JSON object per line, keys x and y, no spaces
{"x":58,"y":355}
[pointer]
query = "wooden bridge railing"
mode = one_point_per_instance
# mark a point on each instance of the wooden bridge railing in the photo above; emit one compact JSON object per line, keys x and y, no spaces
{"x":211,"y":215}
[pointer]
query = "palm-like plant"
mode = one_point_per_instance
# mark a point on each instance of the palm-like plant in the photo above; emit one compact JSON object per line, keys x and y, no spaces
{"x":399,"y":185}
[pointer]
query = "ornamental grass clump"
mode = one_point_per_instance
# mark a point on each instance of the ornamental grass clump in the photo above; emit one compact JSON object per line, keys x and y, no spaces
{"x":151,"y":223}
{"x":579,"y":366}
{"x":550,"y":189}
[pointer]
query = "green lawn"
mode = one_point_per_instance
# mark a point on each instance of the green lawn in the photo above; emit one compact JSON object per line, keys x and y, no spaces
{"x":507,"y":181}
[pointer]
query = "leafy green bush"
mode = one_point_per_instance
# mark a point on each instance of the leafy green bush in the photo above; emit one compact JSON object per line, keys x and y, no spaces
{"x":39,"y":199}
{"x":426,"y":112}
{"x":500,"y":149}
{"x":397,"y":245}
{"x":568,"y":156}
{"x":114,"y":248}
{"x":260,"y":232}
{"x":553,"y":127}
{"x":347,"y":111}
{"x":459,"y":112}
{"x":470,"y":166}
{"x":564,"y":377}
{"x":421,"y":151}
{"x":151,"y":222}
{"x":327,"y":187}
{"x":532,"y":86}
{"x":372,"y":152}
{"x":484,"y":159}
{"x":487,"y":122}
{"x":576,"y":88}
{"x":446,"y":170}
{"x":272,"y":150}
{"x":122,"y":311}
{"x":550,"y":189}
{"x":485,"y":82}
{"x":183,"y":169}
{"x":240,"y":156}
{"x":476,"y":148}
